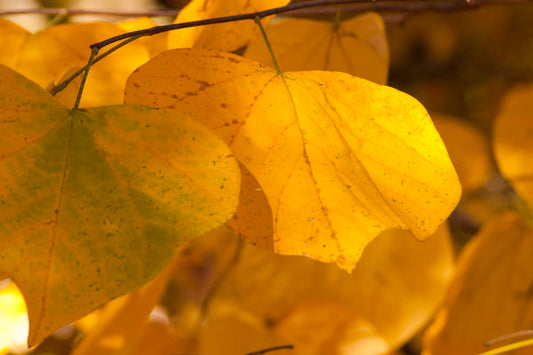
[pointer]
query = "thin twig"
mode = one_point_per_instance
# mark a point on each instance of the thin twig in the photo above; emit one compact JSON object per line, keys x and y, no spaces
{"x":274,"y":348}
{"x":518,"y":334}
{"x":364,"y":5}
{"x":94,"y":52}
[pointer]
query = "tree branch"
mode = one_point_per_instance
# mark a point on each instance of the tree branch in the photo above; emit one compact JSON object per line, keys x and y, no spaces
{"x":304,"y":8}
{"x":362,"y":6}
{"x":405,"y":5}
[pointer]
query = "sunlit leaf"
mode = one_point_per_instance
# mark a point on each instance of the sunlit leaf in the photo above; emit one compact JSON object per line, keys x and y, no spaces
{"x":357,"y":46}
{"x":226,"y":36}
{"x":13,"y":319}
{"x":468,"y":149}
{"x":94,"y":202}
{"x":340,"y":159}
{"x":48,"y":54}
{"x":512,"y":140}
{"x":490,"y":295}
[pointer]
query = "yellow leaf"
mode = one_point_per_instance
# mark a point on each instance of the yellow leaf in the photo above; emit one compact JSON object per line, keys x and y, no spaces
{"x":156,"y":43}
{"x":44,"y":56}
{"x":340,"y":159}
{"x":357,"y":46}
{"x":226,"y":36}
{"x":512,"y":140}
{"x":13,"y":39}
{"x":396,"y":287}
{"x":490,"y":295}
{"x":94,"y":202}
{"x":468,"y":149}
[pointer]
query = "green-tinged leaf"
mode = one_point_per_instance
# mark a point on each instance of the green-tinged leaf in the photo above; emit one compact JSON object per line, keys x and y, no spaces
{"x":93,"y":203}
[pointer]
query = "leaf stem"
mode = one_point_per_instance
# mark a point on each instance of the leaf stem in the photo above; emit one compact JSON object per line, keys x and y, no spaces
{"x":267,"y":42}
{"x":94,"y":52}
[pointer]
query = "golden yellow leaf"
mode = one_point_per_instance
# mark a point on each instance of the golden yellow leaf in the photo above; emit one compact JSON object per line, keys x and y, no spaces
{"x":468,"y":149}
{"x":357,"y":46}
{"x":490,"y":295}
{"x":340,"y":159}
{"x":513,"y":145}
{"x":226,"y":36}
{"x":46,"y":55}
{"x":156,"y":43}
{"x":396,"y":287}
{"x":13,"y":39}
{"x":94,"y":202}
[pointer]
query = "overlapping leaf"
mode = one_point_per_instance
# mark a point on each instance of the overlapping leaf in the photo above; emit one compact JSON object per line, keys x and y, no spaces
{"x":93,"y":203}
{"x":276,"y":299}
{"x":340,"y":159}
{"x":490,"y":295}
{"x":513,"y":145}
{"x":46,"y":55}
{"x":468,"y":149}
{"x":357,"y":46}
{"x":13,"y":39}
{"x":226,"y":36}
